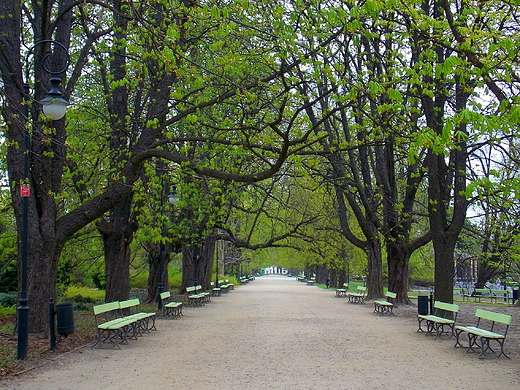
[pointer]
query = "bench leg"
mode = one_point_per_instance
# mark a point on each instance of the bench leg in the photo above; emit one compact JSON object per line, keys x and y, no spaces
{"x":108,"y":337}
{"x":484,"y":343}
{"x":420,"y":329}
{"x":430,"y":326}
{"x":472,"y":343}
{"x":153,"y":323}
{"x":439,"y":330}
{"x":458,"y":332}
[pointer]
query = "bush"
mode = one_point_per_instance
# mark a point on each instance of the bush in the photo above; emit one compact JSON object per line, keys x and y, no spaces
{"x":175,"y":282}
{"x":139,"y":281}
{"x":8,"y":299}
{"x":7,"y":311}
{"x":85,"y":294}
{"x":8,"y":280}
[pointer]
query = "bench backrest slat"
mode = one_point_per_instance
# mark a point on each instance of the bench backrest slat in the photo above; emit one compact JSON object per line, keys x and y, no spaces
{"x":361,"y":289}
{"x":446,"y":310}
{"x":165,"y":295}
{"x":106,"y":307}
{"x":446,"y":306}
{"x":495,"y":317}
{"x":129,"y":303}
{"x":391,"y":295}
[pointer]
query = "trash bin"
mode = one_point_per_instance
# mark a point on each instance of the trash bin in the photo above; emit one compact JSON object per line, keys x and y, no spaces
{"x":65,"y":318}
{"x":515,"y":295}
{"x":422,"y":304}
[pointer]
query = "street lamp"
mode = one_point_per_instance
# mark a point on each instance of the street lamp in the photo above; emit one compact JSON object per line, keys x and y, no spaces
{"x":54,"y":107}
{"x":173,"y":198}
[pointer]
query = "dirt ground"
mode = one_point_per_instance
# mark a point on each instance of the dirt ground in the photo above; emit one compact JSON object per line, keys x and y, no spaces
{"x":277,"y":333}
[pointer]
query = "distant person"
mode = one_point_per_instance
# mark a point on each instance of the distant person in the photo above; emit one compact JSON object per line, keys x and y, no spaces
{"x":327,"y":283}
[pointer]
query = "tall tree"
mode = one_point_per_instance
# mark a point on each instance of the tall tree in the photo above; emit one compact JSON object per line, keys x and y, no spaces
{"x":212,"y":80}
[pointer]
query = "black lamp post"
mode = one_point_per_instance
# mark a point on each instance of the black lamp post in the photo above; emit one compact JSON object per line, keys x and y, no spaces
{"x":195,"y":265}
{"x":173,"y":198}
{"x":54,"y":107}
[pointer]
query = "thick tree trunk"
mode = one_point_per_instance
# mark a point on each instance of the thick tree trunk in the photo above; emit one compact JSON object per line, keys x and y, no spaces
{"x":117,"y":255}
{"x":42,"y":265}
{"x":189,"y":260}
{"x":206,"y":263}
{"x":46,"y":150}
{"x":322,"y":274}
{"x":398,"y":261}
{"x":154,"y":266}
{"x":197,"y":265}
{"x":375,"y":266}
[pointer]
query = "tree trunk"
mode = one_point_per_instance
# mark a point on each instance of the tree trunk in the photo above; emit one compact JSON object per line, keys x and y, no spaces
{"x":398,"y":260}
{"x":46,"y":150}
{"x":322,"y":274}
{"x":42,"y":266}
{"x":208,"y":261}
{"x":375,"y":266}
{"x":189,"y":267}
{"x":117,"y":233}
{"x":154,"y":276}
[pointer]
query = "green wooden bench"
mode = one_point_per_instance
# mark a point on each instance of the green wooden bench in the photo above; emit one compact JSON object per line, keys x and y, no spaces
{"x":231,"y":286}
{"x":215,"y":291}
{"x":387,"y":306}
{"x":461,"y":292}
{"x":358,"y":296}
{"x":440,"y":319}
{"x":502,"y":295}
{"x":195,"y":296}
{"x":206,"y":296}
{"x":225,"y":286}
{"x":479,"y":293}
{"x":480,"y":335}
{"x":170,"y":308}
{"x":342,"y":292}
{"x":493,"y":295}
{"x":311,"y":282}
{"x":130,"y":309}
{"x":112,"y":329}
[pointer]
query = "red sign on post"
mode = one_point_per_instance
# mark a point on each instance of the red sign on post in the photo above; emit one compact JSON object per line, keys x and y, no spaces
{"x":25,"y":190}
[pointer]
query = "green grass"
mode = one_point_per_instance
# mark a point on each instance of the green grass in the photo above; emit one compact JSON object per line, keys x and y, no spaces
{"x":85,"y":292}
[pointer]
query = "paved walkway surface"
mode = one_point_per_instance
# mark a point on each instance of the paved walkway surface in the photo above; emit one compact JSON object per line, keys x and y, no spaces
{"x":277,"y":333}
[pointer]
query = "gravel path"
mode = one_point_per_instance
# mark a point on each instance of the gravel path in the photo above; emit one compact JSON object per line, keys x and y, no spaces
{"x":277,"y":333}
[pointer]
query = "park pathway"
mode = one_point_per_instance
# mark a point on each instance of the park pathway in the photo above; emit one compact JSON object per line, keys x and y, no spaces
{"x":277,"y":333}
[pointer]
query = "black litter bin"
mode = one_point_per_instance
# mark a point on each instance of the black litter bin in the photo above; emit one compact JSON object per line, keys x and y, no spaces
{"x":422,"y":304}
{"x":65,"y":318}
{"x":515,"y":295}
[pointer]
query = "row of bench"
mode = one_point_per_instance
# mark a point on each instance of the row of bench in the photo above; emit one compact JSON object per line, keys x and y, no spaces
{"x":358,"y":296}
{"x":486,"y":293}
{"x":120,"y":321}
{"x":443,"y":322}
{"x":490,"y":327}
{"x":117,"y":322}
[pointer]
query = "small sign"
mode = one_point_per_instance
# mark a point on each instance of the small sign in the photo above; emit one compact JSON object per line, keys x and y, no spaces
{"x":25,"y":190}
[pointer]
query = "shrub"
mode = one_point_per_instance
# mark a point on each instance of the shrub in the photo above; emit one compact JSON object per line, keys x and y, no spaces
{"x":139,"y":280}
{"x":8,"y":299}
